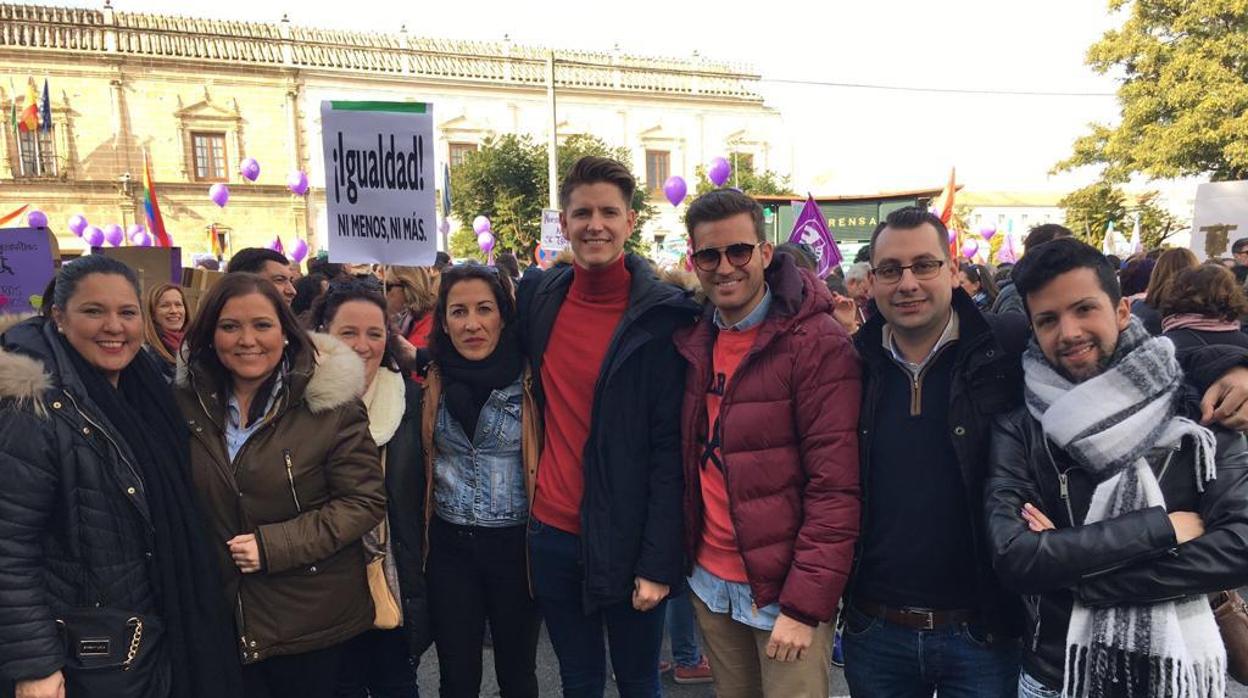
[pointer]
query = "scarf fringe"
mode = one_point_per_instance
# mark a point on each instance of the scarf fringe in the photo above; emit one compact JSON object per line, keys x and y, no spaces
{"x":1102,"y":671}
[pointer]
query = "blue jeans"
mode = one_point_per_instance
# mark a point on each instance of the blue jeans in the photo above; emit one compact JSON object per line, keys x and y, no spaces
{"x":635,"y":638}
{"x":680,"y":631}
{"x":1031,"y":688}
{"x":882,"y":659}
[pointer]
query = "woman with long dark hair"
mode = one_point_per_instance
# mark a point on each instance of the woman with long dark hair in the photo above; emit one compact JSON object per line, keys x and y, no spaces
{"x":979,"y":284}
{"x":289,"y":476}
{"x":382,"y":662}
{"x":105,"y":560}
{"x":481,"y":431}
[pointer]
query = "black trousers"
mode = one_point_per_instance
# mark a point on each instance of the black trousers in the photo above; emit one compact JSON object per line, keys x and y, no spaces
{"x":377,"y":664}
{"x":308,"y":675}
{"x":476,"y":574}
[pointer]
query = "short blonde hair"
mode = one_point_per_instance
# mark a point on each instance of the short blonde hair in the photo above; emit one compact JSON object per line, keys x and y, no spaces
{"x":420,"y":286}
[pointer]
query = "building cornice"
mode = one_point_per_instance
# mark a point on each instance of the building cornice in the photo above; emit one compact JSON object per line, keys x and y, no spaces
{"x":111,"y":33}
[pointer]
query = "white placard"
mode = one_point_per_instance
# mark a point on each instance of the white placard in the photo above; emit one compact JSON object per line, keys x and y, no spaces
{"x":552,"y":233}
{"x":1220,"y":218}
{"x":379,"y":182}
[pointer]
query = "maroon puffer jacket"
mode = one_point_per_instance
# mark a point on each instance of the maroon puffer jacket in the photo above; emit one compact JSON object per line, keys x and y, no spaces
{"x":790,"y":451}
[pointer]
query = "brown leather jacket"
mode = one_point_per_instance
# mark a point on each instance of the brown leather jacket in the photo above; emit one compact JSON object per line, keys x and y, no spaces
{"x":309,"y":484}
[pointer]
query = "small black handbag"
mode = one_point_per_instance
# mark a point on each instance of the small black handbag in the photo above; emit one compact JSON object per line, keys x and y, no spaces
{"x":111,"y":653}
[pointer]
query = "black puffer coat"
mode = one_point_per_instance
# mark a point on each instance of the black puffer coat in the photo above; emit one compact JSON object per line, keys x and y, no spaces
{"x":74,"y":525}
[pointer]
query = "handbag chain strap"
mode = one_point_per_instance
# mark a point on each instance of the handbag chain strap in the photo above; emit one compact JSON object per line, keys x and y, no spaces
{"x":135,"y":641}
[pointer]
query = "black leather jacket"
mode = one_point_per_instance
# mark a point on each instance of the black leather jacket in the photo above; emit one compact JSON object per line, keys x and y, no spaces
{"x":1130,"y":559}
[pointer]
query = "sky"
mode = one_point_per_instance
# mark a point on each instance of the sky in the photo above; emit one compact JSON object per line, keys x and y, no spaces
{"x":846,"y":140}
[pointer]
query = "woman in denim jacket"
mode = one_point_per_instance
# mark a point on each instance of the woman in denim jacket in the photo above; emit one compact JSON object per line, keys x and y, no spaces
{"x":480,"y":431}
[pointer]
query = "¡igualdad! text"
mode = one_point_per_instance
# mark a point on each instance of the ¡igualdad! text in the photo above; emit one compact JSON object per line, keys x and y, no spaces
{"x":387,"y":167}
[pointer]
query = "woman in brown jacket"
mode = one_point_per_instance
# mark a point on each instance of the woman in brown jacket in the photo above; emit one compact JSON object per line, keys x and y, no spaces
{"x":290,"y":477}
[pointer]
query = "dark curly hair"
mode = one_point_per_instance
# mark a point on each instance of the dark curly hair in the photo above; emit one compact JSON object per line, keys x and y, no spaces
{"x":1209,"y":290}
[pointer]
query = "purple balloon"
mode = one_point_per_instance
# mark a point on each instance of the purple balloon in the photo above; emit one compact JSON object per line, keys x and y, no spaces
{"x":953,"y":234}
{"x":220,"y":194}
{"x":480,"y":225}
{"x":133,"y":231}
{"x":142,"y":239}
{"x":988,"y":231}
{"x":114,"y":235}
{"x":299,"y":250}
{"x":94,"y":236}
{"x":297,"y":182}
{"x":37,"y":219}
{"x":77,"y":224}
{"x":719,"y":171}
{"x":445,"y":226}
{"x":486,"y":241}
{"x":249,"y":169}
{"x":675,"y":189}
{"x":969,"y":248}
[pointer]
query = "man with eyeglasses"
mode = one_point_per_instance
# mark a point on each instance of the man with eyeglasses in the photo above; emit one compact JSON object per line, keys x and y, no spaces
{"x":770,"y":447}
{"x":924,"y":611}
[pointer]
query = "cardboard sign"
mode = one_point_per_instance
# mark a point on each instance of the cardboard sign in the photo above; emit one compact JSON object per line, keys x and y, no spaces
{"x":154,"y":265}
{"x":25,"y":268}
{"x":1219,"y":219}
{"x":552,"y":233}
{"x":379,"y":182}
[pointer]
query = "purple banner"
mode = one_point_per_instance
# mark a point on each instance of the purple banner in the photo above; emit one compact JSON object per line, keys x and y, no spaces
{"x":25,"y":268}
{"x":811,"y":228}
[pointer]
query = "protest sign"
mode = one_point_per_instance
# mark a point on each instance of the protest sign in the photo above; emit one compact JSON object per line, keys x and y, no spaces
{"x":25,"y":268}
{"x":552,"y":233}
{"x":1219,"y":219}
{"x":379,"y":182}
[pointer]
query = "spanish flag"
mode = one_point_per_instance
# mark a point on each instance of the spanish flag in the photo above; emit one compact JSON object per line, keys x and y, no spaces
{"x":151,"y":207}
{"x":29,"y":119}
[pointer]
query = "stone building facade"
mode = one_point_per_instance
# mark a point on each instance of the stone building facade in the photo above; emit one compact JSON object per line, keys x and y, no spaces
{"x":196,"y":96}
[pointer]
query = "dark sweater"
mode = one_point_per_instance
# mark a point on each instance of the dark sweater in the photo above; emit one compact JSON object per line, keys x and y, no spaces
{"x":918,"y":547}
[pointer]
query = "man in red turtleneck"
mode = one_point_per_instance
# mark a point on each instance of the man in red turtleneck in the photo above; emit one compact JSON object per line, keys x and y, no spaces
{"x":605,"y":536}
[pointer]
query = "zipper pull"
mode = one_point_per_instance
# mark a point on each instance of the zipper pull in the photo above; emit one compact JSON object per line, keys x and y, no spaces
{"x":1064,"y":485}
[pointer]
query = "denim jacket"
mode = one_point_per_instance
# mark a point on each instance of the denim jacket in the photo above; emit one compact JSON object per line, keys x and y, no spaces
{"x":481,"y":482}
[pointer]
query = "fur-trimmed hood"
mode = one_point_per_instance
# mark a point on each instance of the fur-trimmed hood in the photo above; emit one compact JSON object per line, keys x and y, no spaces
{"x":335,"y":379}
{"x":24,"y":378}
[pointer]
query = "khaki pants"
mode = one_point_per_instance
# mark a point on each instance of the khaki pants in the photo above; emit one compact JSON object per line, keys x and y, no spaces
{"x":741,"y":668}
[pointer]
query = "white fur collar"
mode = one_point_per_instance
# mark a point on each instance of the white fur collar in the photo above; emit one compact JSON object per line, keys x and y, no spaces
{"x":386,"y":400}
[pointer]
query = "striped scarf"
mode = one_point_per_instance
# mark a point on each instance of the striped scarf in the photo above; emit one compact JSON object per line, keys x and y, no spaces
{"x":1107,"y":424}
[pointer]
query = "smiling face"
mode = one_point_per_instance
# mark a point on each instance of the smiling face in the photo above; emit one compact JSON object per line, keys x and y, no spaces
{"x":361,"y":325}
{"x":473,"y":321}
{"x":912,"y":306}
{"x":597,"y":222}
{"x":1077,"y":324}
{"x":170,"y":312}
{"x":248,"y":339}
{"x":103,"y":322}
{"x":735,"y":291}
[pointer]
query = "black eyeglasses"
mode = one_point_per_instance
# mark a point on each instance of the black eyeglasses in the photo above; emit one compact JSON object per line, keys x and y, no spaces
{"x":739,"y":254}
{"x":924,"y":270}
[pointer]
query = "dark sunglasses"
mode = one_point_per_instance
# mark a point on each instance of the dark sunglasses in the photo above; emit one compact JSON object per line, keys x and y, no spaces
{"x":739,"y":254}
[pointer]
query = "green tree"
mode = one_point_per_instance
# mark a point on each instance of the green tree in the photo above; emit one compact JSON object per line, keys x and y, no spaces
{"x":506,"y":181}
{"x":747,"y":180}
{"x":1090,"y":210}
{"x":1184,"y":94}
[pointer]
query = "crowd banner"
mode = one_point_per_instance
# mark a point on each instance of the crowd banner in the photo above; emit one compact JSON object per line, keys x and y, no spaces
{"x":25,"y":268}
{"x":1219,"y":219}
{"x":379,"y":182}
{"x":552,"y":232}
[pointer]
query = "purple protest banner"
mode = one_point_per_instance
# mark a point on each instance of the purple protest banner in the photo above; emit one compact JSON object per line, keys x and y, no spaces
{"x":25,"y":268}
{"x":811,"y":228}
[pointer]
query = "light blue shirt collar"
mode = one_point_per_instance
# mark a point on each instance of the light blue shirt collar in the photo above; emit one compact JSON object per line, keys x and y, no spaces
{"x":749,"y":322}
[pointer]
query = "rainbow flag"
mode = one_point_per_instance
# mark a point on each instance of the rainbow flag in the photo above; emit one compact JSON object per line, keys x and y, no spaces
{"x":13,"y":214}
{"x":155,"y":223}
{"x":29,"y":119}
{"x":215,"y":242}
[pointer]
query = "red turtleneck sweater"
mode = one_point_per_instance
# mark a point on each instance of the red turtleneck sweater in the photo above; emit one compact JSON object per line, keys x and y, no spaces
{"x":578,"y":344}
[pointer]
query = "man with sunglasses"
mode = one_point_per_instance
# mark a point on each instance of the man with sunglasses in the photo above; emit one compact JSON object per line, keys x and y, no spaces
{"x":770,"y":448}
{"x":924,"y":611}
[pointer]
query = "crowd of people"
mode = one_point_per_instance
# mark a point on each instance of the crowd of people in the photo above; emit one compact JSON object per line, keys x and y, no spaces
{"x":1024,"y":482}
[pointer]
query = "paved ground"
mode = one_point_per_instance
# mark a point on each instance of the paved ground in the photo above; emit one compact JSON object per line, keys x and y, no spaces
{"x":548,"y":678}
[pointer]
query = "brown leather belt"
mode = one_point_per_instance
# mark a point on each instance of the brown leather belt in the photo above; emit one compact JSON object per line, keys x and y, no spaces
{"x":915,"y":618}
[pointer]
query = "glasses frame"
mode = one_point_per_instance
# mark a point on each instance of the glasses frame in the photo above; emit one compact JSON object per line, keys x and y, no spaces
{"x":901,"y":270}
{"x":722,"y":252}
